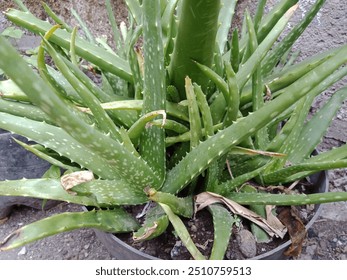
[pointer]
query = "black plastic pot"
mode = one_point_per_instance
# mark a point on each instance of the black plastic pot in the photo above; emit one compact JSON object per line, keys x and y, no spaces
{"x":17,"y":163}
{"x":122,"y":251}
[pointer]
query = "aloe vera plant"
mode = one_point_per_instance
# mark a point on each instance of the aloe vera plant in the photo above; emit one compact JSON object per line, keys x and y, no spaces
{"x":190,"y":114}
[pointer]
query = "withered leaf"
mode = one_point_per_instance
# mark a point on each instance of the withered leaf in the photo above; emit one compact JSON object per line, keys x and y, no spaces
{"x":70,"y":180}
{"x":296,"y":229}
{"x":273,"y":228}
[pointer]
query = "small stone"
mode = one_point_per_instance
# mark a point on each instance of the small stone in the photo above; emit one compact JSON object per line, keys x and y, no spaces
{"x":22,"y":251}
{"x":247,"y":243}
{"x":193,"y":228}
{"x":86,"y":247}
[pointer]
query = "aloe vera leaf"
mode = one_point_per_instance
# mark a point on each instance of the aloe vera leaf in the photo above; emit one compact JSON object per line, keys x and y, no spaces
{"x":21,"y":5}
{"x":182,"y":206}
{"x":135,"y":9}
{"x":47,"y":76}
{"x":248,"y":68}
{"x":278,"y":81}
{"x":153,"y":138}
{"x":286,"y":199}
{"x":286,"y":43}
{"x":56,"y":139}
{"x":151,"y":228}
{"x":233,"y":100}
{"x":273,"y":17}
{"x":141,"y":124}
{"x":99,"y":93}
{"x":298,"y":171}
{"x":124,"y":118}
{"x":194,"y":115}
{"x":182,"y":232}
{"x":204,"y":110}
{"x":172,"y":94}
{"x":215,"y":78}
{"x":225,"y":18}
{"x":231,"y":185}
{"x":330,"y":80}
{"x":193,"y":42}
{"x":55,"y":17}
{"x":172,"y":109}
{"x":135,"y":60}
{"x":235,"y":51}
{"x":42,"y":188}
{"x":115,"y":30}
{"x":167,"y":22}
{"x":127,"y":164}
{"x":185,"y":137}
{"x":84,"y":26}
{"x":116,"y":220}
{"x":171,"y":125}
{"x":315,"y":129}
{"x":22,"y":109}
{"x":334,"y":154}
{"x":73,"y":55}
{"x":108,"y":193}
{"x":186,"y":170}
{"x":219,"y":104}
{"x":259,"y":13}
{"x":9,"y":90}
{"x":46,"y":157}
{"x":261,"y":136}
{"x":102,"y":119}
{"x":222,"y":225}
{"x":96,"y":55}
{"x":287,"y":138}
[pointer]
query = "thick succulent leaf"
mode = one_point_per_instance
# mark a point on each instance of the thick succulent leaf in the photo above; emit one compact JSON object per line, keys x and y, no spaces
{"x":96,"y":55}
{"x":225,"y":18}
{"x":156,"y":223}
{"x":116,"y":220}
{"x":315,"y":129}
{"x":182,"y":232}
{"x":22,"y":109}
{"x":111,"y":192}
{"x":42,"y":188}
{"x":153,"y":137}
{"x":280,"y":49}
{"x":193,"y":42}
{"x":222,"y":226}
{"x":182,"y":206}
{"x":46,"y":157}
{"x":56,"y":139}
{"x":286,"y":199}
{"x":269,"y":21}
{"x":248,"y":68}
{"x":301,"y":170}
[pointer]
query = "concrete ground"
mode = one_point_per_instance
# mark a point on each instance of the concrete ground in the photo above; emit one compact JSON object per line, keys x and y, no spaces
{"x":328,"y":237}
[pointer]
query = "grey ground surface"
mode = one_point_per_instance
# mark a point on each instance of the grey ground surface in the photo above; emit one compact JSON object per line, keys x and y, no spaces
{"x":327,"y":239}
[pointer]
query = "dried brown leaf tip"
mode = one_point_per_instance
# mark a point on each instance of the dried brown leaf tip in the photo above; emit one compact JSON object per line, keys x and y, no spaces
{"x":71,"y":180}
{"x":296,"y":229}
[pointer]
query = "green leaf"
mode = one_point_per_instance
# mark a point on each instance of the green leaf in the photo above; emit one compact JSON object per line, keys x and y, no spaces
{"x":116,"y":220}
{"x":96,"y":55}
{"x":222,"y":225}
